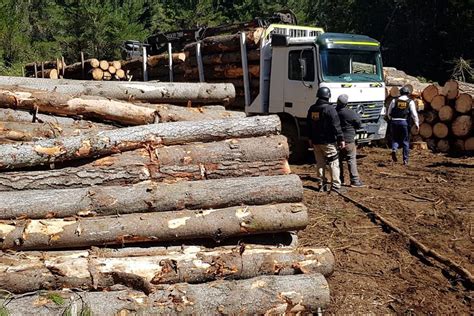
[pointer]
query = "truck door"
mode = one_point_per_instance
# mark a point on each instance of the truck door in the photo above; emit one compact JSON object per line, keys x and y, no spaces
{"x":301,"y":81}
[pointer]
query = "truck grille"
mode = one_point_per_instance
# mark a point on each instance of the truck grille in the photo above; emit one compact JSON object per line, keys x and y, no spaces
{"x":368,"y":111}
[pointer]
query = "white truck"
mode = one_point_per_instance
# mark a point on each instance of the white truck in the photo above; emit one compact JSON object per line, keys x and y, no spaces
{"x":296,"y":60}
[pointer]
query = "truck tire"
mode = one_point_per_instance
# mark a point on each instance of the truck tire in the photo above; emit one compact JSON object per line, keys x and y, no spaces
{"x":298,"y":148}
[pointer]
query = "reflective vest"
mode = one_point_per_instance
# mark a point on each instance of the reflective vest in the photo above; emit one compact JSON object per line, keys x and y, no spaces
{"x":401,"y":109}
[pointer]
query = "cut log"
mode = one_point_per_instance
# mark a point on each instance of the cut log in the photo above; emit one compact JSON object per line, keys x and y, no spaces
{"x":462,"y":125}
{"x":54,"y":270}
{"x":446,"y":113}
{"x":74,"y":71}
{"x":464,"y":103}
{"x":174,"y":113}
{"x":107,"y":76}
{"x":426,"y":130}
{"x":124,"y":139}
{"x":120,"y":73}
{"x":450,"y":89}
{"x":443,"y":145}
{"x":465,"y":87}
{"x":225,"y":43}
{"x":430,"y":116}
{"x":419,"y":145}
{"x":421,"y":118}
{"x":204,"y":93}
{"x":225,"y":58}
{"x":48,"y":73}
{"x":438,"y":102}
{"x":117,"y":64}
{"x":430,"y":92}
{"x":459,"y":145}
{"x":440,"y":130}
{"x":228,"y":71}
{"x":86,"y":106}
{"x":262,"y":156}
{"x":9,"y":115}
{"x":150,"y":197}
{"x":414,"y":130}
{"x":395,"y":77}
{"x":54,"y":64}
{"x":97,"y":74}
{"x":154,"y":61}
{"x":469,"y":144}
{"x":217,"y":224}
{"x":264,"y":295}
{"x":112,"y":70}
{"x":104,"y":65}
{"x":22,"y":131}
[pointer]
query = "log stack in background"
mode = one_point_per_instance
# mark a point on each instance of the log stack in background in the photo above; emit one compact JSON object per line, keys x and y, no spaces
{"x":192,"y":205}
{"x":445,"y":112}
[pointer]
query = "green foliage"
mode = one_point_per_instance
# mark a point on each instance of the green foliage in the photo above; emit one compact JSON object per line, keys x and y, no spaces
{"x":4,"y":311}
{"x":416,"y":37}
{"x":56,"y":298}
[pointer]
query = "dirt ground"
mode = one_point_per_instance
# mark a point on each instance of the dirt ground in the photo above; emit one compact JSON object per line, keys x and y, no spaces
{"x":376,"y":271}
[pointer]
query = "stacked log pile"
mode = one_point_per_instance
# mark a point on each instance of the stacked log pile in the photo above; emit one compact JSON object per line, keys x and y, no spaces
{"x":221,"y":58}
{"x":445,"y":112}
{"x":92,"y":69}
{"x":173,"y":193}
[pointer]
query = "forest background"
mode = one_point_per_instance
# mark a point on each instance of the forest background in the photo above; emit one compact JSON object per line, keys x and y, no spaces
{"x":426,"y":38}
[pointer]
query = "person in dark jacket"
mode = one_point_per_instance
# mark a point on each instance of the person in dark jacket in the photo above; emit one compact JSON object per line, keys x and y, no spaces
{"x":324,"y":130}
{"x":350,"y":122}
{"x":399,"y":111}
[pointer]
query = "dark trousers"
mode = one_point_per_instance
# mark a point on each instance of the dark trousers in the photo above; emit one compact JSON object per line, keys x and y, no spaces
{"x":349,"y":154}
{"x":400,"y":137}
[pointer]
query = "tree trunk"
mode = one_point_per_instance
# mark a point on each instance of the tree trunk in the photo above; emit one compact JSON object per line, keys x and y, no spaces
{"x":30,"y":67}
{"x":440,"y":130}
{"x":107,"y":76}
{"x":414,"y":130}
{"x":442,"y":145}
{"x":74,"y":71}
{"x":225,"y":43}
{"x":227,"y":71}
{"x":117,"y":64}
{"x":426,"y":130}
{"x":462,"y":125}
{"x":469,"y":144}
{"x":459,"y":145}
{"x":48,"y":73}
{"x":464,"y":103}
{"x":139,"y":91}
{"x":174,"y":113}
{"x":104,"y":65}
{"x":217,"y":224}
{"x":264,"y":295}
{"x":150,"y":197}
{"x":225,"y":58}
{"x":465,"y":87}
{"x":430,"y":116}
{"x":154,"y":61}
{"x":124,"y":139}
{"x":430,"y":92}
{"x":446,"y":113}
{"x":9,"y":115}
{"x":112,"y":70}
{"x":21,"y":131}
{"x":438,"y":102}
{"x":198,"y":161}
{"x":96,"y":74}
{"x":88,"y":106}
{"x":94,"y":269}
{"x":120,"y":74}
{"x":450,"y":89}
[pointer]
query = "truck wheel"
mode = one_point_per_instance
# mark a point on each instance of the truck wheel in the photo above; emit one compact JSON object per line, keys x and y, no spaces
{"x":298,"y":148}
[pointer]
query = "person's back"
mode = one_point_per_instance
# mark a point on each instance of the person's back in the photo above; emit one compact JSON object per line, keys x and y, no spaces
{"x":323,"y":123}
{"x":350,"y":123}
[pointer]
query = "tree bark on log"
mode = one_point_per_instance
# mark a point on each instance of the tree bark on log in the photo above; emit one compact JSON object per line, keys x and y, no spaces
{"x":154,"y":61}
{"x":464,"y":103}
{"x":9,"y":115}
{"x":224,"y":58}
{"x":204,"y":93}
{"x":174,"y":113}
{"x":216,"y":224}
{"x":30,"y":67}
{"x":22,"y":131}
{"x":227,"y":71}
{"x":462,"y":125}
{"x":264,"y":295}
{"x":150,"y":197}
{"x":465,"y":87}
{"x":225,"y":43}
{"x":74,"y":71}
{"x":231,"y":158}
{"x":124,"y":139}
{"x":94,"y":269}
{"x":87,"y":106}
{"x":48,"y":73}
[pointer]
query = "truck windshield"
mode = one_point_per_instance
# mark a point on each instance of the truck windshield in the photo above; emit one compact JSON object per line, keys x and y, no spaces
{"x":346,"y":65}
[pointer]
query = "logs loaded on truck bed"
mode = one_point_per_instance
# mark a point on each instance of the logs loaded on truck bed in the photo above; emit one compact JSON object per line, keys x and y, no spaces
{"x":142,"y":176}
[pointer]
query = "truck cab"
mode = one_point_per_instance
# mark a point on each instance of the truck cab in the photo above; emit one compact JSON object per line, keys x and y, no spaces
{"x":295,"y":61}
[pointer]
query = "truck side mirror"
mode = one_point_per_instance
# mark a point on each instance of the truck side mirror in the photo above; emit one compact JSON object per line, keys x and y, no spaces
{"x":303,"y":68}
